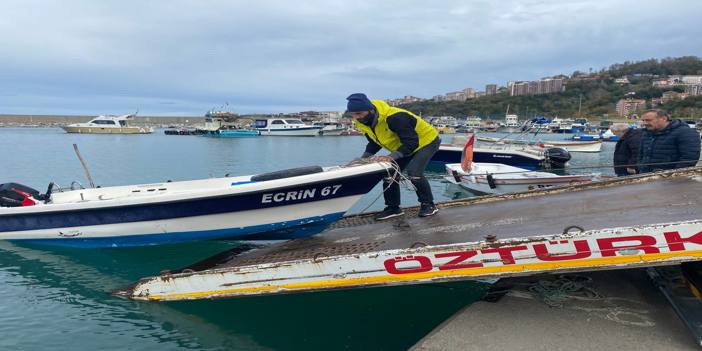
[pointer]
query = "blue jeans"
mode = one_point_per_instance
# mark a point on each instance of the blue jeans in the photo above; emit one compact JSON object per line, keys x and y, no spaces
{"x":414,"y":166}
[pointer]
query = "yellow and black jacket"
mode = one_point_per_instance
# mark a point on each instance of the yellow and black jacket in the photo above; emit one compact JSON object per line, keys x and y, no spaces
{"x":399,"y":131}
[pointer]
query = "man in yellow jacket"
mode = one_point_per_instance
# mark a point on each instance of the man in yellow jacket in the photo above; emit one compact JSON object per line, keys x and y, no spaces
{"x":411,"y":141}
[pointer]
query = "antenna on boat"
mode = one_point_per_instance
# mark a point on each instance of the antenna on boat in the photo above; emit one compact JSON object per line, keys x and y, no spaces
{"x":85,"y":166}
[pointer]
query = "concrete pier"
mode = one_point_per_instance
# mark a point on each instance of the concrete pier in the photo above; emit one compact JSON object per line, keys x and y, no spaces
{"x":606,"y":310}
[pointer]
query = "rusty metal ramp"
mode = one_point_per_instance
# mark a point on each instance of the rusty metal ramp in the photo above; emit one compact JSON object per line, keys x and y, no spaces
{"x":645,"y":220}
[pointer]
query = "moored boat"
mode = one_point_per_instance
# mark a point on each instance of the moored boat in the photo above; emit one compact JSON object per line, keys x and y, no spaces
{"x":331,"y":129}
{"x":107,"y":124}
{"x":285,"y":127}
{"x":522,"y":156}
{"x":496,"y":178}
{"x":279,"y":205}
{"x":232,"y":133}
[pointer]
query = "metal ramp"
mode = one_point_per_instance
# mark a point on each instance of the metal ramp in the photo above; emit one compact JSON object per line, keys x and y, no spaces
{"x":646,"y":220}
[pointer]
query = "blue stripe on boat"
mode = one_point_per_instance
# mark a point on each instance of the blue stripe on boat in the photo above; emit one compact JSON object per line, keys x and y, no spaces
{"x":275,"y":231}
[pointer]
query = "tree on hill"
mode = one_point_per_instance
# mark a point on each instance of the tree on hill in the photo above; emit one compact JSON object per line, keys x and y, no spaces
{"x":599,"y":95}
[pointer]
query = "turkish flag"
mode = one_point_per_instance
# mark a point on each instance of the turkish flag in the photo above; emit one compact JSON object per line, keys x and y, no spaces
{"x":468,"y":154}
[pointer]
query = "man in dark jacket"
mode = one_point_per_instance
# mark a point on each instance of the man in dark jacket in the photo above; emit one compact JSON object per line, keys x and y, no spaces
{"x":411,"y":142}
{"x":626,"y":151}
{"x":666,"y":143}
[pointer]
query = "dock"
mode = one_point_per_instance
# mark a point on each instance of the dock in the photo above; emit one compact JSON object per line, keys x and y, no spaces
{"x":639,"y":221}
{"x":608,"y":310}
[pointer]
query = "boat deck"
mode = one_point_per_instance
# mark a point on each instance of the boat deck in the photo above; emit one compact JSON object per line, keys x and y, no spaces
{"x":616,"y":223}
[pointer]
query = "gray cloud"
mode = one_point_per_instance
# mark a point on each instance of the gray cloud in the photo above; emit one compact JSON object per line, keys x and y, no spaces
{"x":183,"y":57}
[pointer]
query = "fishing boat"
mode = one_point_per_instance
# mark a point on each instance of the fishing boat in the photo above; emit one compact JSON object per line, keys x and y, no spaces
{"x":108,"y":124}
{"x":522,"y":156}
{"x":571,"y":146}
{"x":285,"y":127}
{"x":496,"y":178}
{"x":279,"y":205}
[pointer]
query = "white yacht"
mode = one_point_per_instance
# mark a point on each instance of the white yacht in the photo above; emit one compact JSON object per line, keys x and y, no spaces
{"x":108,"y":124}
{"x":511,"y":124}
{"x":285,"y":127}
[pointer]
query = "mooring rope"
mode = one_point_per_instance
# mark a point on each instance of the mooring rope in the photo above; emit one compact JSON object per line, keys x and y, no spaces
{"x":394,"y":176}
{"x":555,"y":293}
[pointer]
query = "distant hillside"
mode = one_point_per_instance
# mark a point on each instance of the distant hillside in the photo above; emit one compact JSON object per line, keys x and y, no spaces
{"x":599,"y":94}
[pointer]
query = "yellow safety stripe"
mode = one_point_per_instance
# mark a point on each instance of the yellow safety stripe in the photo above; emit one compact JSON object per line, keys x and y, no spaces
{"x":389,"y":278}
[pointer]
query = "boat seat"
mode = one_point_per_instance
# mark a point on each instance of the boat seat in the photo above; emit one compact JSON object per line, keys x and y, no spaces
{"x":10,"y":197}
{"x":287,"y":173}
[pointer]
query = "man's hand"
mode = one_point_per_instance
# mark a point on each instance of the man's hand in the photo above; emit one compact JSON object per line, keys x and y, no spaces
{"x":382,"y":159}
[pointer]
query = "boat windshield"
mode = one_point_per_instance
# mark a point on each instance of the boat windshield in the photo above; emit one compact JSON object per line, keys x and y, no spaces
{"x":294,"y":121}
{"x":103,"y":121}
{"x":260,"y":123}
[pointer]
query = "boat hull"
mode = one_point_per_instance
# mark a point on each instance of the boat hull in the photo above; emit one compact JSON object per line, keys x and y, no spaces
{"x":100,"y":130}
{"x":571,"y":146}
{"x":287,"y":209}
{"x":452,"y":154}
{"x":331,"y":132}
{"x":234,"y":133}
{"x":500,"y":179}
{"x":576,"y":146}
{"x":306,"y":132}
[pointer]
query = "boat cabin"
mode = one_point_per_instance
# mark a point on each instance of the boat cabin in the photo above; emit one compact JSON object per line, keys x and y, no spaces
{"x":279,"y":123}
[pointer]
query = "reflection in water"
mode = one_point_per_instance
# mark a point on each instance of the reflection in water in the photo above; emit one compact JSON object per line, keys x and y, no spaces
{"x":66,"y":289}
{"x":64,"y":292}
{"x":454,"y":192}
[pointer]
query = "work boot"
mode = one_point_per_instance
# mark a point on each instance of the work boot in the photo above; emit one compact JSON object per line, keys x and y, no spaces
{"x":387,"y":213}
{"x":428,"y":209}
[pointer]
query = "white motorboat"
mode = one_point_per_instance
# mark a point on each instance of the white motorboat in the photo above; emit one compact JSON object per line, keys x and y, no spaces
{"x":285,"y":127}
{"x":279,"y":205}
{"x":522,"y":156}
{"x":497,"y":178}
{"x":108,"y":124}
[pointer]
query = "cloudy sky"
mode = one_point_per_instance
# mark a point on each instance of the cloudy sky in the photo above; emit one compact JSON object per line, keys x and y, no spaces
{"x":184,"y":57}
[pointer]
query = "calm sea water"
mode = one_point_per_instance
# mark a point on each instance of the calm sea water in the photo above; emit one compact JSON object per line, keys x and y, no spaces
{"x":57,"y":298}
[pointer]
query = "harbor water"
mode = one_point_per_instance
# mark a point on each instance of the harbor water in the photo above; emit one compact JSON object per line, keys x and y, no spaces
{"x":58,"y":298}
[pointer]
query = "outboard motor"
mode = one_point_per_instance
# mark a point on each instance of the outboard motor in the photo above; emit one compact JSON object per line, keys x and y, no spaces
{"x":557,"y":157}
{"x":15,"y":195}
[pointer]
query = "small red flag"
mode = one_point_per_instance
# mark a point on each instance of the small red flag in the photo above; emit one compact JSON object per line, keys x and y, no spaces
{"x":468,"y":154}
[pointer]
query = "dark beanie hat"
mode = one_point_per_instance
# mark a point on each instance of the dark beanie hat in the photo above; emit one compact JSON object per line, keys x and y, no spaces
{"x":359,"y":102}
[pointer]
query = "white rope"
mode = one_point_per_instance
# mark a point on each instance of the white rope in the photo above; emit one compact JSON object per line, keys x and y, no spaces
{"x":394,"y":175}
